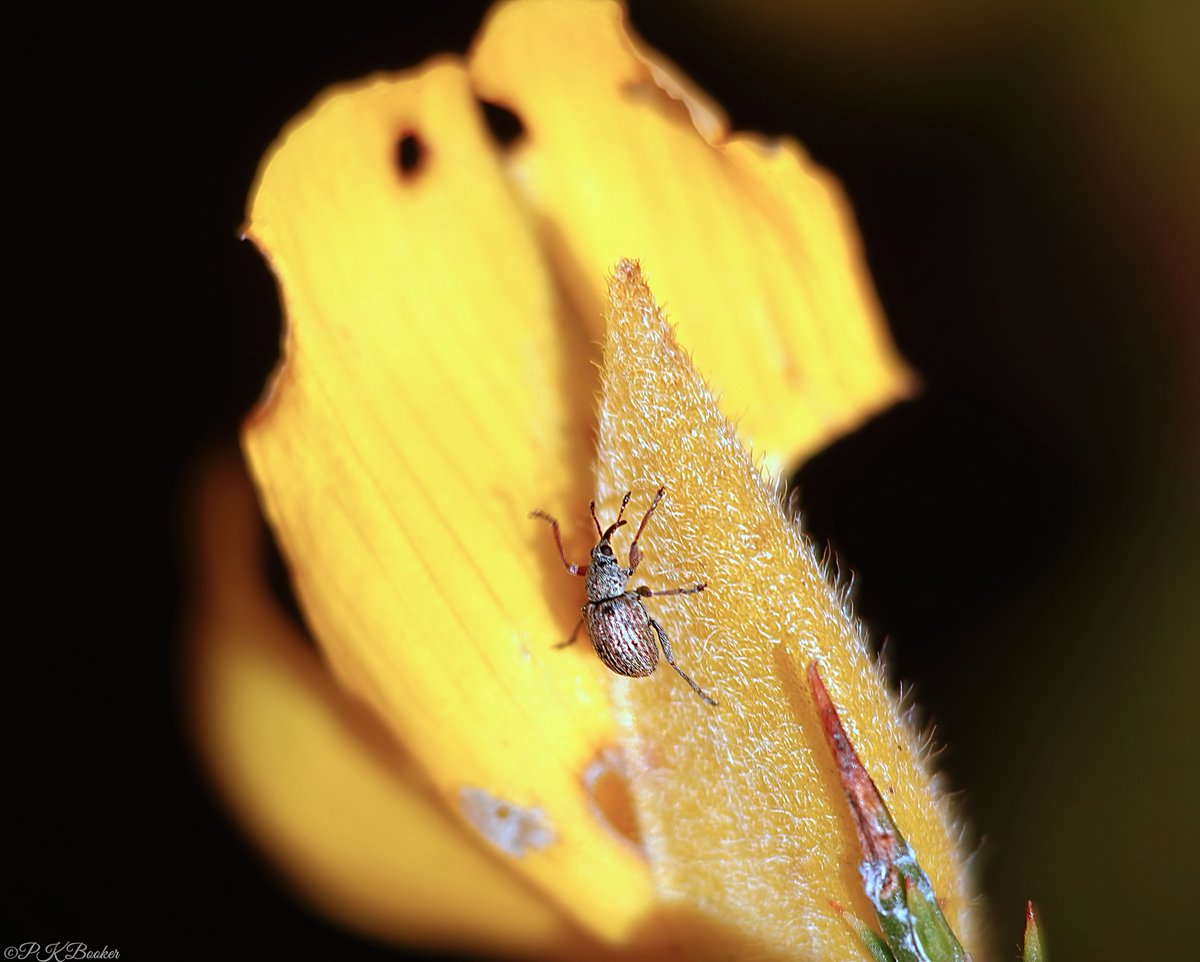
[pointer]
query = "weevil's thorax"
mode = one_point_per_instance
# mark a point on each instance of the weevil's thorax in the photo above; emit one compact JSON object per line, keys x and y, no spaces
{"x":605,"y":576}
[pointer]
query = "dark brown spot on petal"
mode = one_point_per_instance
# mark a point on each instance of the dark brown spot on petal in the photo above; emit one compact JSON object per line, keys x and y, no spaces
{"x":411,"y":154}
{"x":505,"y":126}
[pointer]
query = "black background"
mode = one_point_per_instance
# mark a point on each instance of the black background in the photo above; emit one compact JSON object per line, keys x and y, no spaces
{"x":1024,"y":532}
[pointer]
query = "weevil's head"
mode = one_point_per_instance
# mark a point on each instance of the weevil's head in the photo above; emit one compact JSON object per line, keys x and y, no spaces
{"x":606,"y":578}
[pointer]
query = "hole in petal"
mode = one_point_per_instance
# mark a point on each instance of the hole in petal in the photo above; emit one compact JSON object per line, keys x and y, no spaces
{"x":411,"y":154}
{"x":509,"y":827}
{"x":505,"y":126}
{"x":607,"y":785}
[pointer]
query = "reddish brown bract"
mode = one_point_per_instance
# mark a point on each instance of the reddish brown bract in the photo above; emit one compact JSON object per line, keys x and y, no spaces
{"x":621,"y":629}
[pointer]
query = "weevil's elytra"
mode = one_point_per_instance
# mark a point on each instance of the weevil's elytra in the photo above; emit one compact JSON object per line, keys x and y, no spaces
{"x":624,"y":635}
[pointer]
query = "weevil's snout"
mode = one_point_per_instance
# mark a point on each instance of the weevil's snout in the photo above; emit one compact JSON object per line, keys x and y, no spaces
{"x":608,"y":534}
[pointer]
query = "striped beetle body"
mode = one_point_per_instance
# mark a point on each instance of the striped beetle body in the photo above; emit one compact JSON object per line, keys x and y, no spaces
{"x":625,"y":636}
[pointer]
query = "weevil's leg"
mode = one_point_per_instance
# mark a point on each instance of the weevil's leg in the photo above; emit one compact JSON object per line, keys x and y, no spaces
{"x":642,"y":591}
{"x":574,"y":569}
{"x":635,"y":553}
{"x":574,"y":635}
{"x":666,"y":647}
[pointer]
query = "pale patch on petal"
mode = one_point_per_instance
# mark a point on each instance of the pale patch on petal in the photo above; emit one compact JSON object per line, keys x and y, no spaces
{"x":513,"y":829}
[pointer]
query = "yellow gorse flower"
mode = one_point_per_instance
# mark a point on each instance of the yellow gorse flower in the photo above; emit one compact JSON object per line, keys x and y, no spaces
{"x":441,"y":774}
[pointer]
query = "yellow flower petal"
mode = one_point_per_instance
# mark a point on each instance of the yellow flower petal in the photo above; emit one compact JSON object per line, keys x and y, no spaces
{"x":743,"y":813}
{"x":318,"y":783}
{"x":751,"y":244}
{"x":431,"y":394}
{"x":435,"y":387}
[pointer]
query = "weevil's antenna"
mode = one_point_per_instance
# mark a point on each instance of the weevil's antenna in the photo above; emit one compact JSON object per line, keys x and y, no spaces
{"x":605,"y":535}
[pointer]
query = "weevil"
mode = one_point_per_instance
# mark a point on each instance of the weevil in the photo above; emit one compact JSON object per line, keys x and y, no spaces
{"x":620,"y":627}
